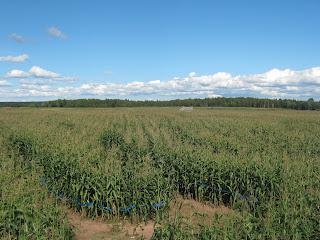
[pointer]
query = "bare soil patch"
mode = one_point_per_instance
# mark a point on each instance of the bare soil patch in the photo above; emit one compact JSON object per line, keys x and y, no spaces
{"x":196,"y":212}
{"x":192,"y":211}
{"x":87,"y":229}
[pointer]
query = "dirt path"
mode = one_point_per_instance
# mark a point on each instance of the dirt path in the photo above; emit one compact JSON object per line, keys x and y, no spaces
{"x":196,"y":212}
{"x":192,"y":211}
{"x":87,"y":229}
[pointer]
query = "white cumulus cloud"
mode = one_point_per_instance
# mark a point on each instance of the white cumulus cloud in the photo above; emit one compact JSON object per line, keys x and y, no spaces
{"x":42,"y":73}
{"x":192,"y":74}
{"x":15,"y":73}
{"x":20,"y":58}
{"x":38,"y":72}
{"x":276,"y":83}
{"x":4,"y":83}
{"x":17,"y":38}
{"x":55,"y":32}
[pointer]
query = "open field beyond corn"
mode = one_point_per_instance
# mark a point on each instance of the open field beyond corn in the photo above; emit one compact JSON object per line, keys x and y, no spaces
{"x":201,"y":174}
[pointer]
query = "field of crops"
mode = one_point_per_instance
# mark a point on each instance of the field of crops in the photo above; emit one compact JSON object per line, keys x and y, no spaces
{"x":132,"y":163}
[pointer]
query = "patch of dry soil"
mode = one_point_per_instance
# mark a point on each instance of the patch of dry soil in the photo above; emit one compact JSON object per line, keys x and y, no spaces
{"x":193,"y":211}
{"x":196,"y":212}
{"x":87,"y":229}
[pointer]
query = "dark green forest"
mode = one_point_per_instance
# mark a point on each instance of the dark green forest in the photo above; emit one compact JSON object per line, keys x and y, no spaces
{"x":310,"y":104}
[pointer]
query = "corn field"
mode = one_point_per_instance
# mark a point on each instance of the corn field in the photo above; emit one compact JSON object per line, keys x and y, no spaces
{"x":264,"y":165}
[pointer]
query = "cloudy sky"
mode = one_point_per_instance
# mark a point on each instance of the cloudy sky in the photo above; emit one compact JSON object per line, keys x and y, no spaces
{"x":164,"y":49}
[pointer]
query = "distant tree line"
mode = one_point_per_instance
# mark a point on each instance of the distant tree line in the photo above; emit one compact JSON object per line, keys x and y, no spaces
{"x":195,"y":102}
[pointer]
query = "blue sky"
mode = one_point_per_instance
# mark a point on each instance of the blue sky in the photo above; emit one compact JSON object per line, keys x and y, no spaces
{"x":147,"y":49}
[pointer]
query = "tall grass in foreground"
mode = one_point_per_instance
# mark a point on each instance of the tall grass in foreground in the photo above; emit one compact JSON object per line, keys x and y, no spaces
{"x":26,"y":211}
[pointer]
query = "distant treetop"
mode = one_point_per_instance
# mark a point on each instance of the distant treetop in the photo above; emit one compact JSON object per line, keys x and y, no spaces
{"x":310,"y":104}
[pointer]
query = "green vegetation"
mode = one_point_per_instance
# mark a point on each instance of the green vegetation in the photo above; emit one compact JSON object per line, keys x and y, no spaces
{"x":311,"y":104}
{"x":26,"y":211}
{"x":263,"y":165}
